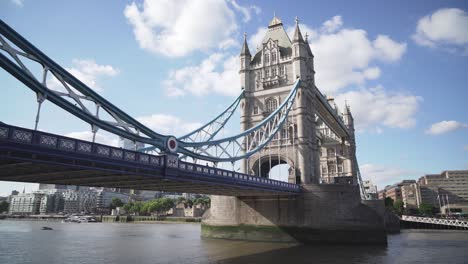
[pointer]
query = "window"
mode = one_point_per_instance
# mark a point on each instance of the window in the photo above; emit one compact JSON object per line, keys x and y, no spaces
{"x":273,"y":57}
{"x":281,"y":70}
{"x":267,"y":73}
{"x":266,"y":59}
{"x":255,"y":110}
{"x":271,"y":105}
{"x":273,"y":72}
{"x":242,"y":63}
{"x":331,"y":152}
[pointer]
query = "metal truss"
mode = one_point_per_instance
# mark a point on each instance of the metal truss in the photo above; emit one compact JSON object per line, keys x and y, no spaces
{"x":437,"y":221}
{"x":72,"y":95}
{"x":245,"y":144}
{"x":75,"y":97}
{"x":208,"y":131}
{"x":364,"y":195}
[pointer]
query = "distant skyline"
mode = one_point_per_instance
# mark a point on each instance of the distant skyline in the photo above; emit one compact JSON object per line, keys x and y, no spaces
{"x":173,"y":65}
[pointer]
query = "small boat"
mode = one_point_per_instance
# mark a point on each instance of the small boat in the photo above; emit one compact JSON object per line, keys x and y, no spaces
{"x":46,"y":228}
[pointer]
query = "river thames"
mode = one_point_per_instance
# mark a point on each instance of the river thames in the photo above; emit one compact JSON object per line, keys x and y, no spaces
{"x":25,"y":242}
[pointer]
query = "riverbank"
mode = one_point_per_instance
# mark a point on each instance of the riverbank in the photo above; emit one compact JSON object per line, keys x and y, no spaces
{"x":148,"y":219}
{"x":108,"y":219}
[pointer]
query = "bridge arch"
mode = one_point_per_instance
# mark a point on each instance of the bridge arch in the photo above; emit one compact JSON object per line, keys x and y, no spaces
{"x":266,"y":164}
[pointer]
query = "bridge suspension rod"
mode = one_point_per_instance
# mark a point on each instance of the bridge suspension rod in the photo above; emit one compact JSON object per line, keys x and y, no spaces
{"x":123,"y":124}
{"x":247,"y":143}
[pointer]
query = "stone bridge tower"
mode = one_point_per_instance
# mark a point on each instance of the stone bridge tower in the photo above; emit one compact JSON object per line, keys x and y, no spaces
{"x":267,"y":78}
{"x":321,"y":212}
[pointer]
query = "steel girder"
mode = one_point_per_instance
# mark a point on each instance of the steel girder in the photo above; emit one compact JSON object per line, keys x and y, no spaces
{"x":75,"y":97}
{"x":247,"y":143}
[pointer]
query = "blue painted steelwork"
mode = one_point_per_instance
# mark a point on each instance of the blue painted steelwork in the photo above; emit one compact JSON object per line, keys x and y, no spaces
{"x":256,"y":134}
{"x":230,"y":111}
{"x":36,"y":143}
{"x":204,"y":131}
{"x":124,"y":121}
{"x":29,"y":51}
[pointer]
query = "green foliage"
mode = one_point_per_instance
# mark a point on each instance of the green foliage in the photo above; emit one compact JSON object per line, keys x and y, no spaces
{"x":4,"y":205}
{"x":389,"y":202}
{"x":426,"y":209}
{"x":116,"y":202}
{"x":398,"y":207}
{"x":157,"y":206}
{"x":205,"y":201}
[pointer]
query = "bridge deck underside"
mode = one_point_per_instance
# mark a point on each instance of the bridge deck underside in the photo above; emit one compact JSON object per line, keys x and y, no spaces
{"x":37,"y":166}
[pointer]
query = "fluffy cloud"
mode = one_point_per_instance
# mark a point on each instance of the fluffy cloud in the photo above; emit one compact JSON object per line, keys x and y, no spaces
{"x":344,"y":56}
{"x":177,"y":28}
{"x":382,"y":176}
{"x":376,"y":106}
{"x":246,"y":11}
{"x":87,"y":71}
{"x":105,"y":139}
{"x":168,"y":124}
{"x":445,"y":127}
{"x":332,"y":25}
{"x":446,"y":27}
{"x":217,"y":74}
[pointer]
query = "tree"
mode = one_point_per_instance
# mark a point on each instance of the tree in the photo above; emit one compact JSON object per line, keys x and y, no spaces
{"x":398,"y":206}
{"x":190,"y":203}
{"x":388,"y":202}
{"x":4,"y":205}
{"x":116,"y":202}
{"x":426,"y":209}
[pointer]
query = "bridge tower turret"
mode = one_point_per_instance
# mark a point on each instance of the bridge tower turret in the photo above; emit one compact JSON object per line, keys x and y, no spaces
{"x":350,"y":165}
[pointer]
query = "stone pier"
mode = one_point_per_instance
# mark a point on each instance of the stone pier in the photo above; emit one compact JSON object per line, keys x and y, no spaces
{"x":321,"y":214}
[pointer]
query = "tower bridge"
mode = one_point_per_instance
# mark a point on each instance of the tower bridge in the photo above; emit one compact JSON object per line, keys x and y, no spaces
{"x":284,"y":119}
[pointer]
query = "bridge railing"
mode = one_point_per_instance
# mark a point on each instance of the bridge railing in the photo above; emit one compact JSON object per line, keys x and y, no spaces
{"x":46,"y":141}
{"x":437,"y":221}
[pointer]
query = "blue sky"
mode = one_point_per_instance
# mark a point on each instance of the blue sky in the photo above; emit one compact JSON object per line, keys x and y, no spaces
{"x":401,"y":66}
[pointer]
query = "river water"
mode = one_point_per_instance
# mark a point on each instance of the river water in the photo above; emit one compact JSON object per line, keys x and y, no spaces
{"x":25,"y":242}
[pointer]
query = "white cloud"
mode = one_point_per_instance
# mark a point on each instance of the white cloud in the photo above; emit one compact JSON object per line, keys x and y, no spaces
{"x":87,"y":71}
{"x":19,"y":3}
{"x":100,"y":138}
{"x":374,"y":107}
{"x":177,"y":28}
{"x":446,"y":27}
{"x":255,"y":41}
{"x":388,"y":50}
{"x":445,"y":127}
{"x":382,"y":176}
{"x":246,"y":11}
{"x":332,"y":25}
{"x":168,"y":124}
{"x":217,"y":74}
{"x":345,"y":56}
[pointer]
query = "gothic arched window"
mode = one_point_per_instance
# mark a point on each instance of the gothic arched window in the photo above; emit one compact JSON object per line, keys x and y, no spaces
{"x":271,"y":104}
{"x":273,"y":57}
{"x":266,"y":58}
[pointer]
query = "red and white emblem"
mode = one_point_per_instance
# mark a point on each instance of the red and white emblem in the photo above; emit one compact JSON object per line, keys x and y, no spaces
{"x":171,"y":144}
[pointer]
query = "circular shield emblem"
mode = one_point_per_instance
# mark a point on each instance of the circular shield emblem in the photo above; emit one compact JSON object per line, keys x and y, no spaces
{"x":171,"y":144}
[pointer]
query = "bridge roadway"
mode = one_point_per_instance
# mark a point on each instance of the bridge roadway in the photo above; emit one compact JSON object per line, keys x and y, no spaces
{"x":34,"y":156}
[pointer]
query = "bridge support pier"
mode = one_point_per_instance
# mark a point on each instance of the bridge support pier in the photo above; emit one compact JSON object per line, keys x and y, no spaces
{"x":321,"y":214}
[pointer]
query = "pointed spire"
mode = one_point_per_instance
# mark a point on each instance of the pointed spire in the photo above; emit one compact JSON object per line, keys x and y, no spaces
{"x":297,"y":32}
{"x":245,"y":48}
{"x":275,"y":21}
